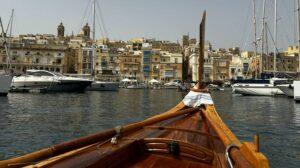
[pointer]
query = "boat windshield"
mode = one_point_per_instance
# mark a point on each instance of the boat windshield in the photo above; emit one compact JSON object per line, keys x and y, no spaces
{"x":57,"y":74}
{"x":40,"y":73}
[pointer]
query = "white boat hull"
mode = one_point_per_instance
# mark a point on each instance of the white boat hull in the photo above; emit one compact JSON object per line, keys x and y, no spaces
{"x":5,"y":82}
{"x":53,"y":83}
{"x":257,"y":90}
{"x":296,"y":90}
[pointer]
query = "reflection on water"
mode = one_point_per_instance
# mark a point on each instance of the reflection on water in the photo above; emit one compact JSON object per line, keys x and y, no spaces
{"x":30,"y":122}
{"x":276,"y":119}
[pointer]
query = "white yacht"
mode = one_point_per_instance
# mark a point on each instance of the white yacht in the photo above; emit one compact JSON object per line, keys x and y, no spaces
{"x":267,"y":88}
{"x":46,"y":81}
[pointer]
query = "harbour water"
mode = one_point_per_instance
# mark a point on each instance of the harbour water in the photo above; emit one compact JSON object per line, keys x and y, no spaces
{"x":30,"y":122}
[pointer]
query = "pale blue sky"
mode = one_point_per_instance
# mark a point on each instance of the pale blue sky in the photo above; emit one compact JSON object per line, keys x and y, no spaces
{"x":228,"y":21}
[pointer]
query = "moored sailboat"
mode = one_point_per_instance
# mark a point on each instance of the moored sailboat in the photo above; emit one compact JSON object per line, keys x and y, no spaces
{"x":99,"y":85}
{"x":293,"y":89}
{"x":262,"y":87}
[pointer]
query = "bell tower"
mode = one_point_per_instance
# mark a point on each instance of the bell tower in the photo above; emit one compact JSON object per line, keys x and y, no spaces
{"x":86,"y":31}
{"x":60,"y":30}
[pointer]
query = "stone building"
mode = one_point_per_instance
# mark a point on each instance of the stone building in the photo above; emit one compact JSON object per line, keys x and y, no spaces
{"x":36,"y":56}
{"x":129,"y":65}
{"x":170,"y":66}
{"x":221,"y":68}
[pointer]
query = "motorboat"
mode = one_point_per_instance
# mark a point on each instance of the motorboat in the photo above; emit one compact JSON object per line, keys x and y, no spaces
{"x":47,"y":81}
{"x":258,"y":87}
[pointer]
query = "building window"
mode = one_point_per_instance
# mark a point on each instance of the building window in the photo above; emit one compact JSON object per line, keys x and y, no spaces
{"x":58,"y":61}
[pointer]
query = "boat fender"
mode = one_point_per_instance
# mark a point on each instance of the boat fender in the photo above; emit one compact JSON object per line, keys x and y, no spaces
{"x":227,"y":155}
{"x":114,"y":140}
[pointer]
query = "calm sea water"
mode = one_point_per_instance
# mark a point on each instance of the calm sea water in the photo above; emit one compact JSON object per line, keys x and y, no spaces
{"x":30,"y":122}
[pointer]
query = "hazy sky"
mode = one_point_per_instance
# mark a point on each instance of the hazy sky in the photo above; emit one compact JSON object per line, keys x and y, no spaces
{"x":228,"y":21}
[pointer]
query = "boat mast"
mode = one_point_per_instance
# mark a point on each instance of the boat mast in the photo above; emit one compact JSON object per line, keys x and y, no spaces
{"x":255,"y":35}
{"x":275,"y":40}
{"x":93,"y":39}
{"x":298,"y":10}
{"x":201,"y":51}
{"x":4,"y":37}
{"x":262,"y":38}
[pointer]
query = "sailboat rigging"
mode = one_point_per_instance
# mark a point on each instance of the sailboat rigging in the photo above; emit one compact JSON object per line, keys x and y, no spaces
{"x":261,"y":87}
{"x":98,"y":85}
{"x":6,"y":76}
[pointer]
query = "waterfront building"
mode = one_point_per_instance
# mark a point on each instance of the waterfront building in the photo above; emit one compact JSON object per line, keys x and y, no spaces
{"x":221,"y":67}
{"x":284,"y":64}
{"x":247,"y":54}
{"x":170,"y":66}
{"x":208,"y":66}
{"x":84,"y":63}
{"x":105,"y":64}
{"x":25,"y":56}
{"x":129,"y":65}
{"x":146,"y":62}
{"x":167,"y":46}
{"x":155,"y":65}
{"x":236,"y":67}
{"x":292,"y":51}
